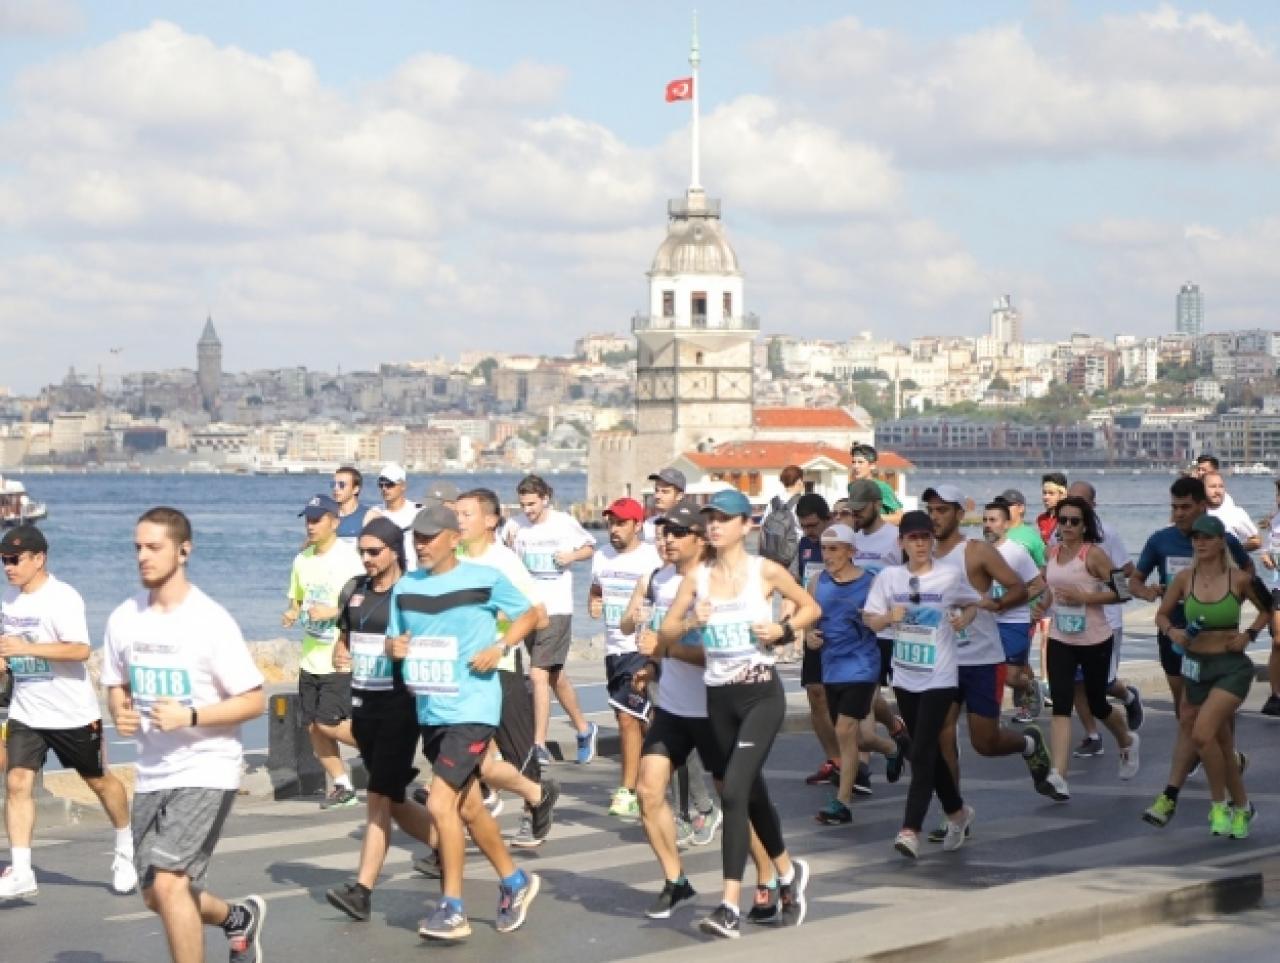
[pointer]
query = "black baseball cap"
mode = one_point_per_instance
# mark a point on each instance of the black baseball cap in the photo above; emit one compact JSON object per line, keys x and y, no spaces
{"x":916,"y":521}
{"x":1012,"y":496}
{"x":670,"y":476}
{"x":23,"y":538}
{"x":686,"y":514}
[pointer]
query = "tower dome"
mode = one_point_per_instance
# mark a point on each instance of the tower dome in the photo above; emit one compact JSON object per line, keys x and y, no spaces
{"x":695,"y":241}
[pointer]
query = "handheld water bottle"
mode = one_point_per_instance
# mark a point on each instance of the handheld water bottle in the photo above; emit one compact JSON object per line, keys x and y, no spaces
{"x":1192,"y":630}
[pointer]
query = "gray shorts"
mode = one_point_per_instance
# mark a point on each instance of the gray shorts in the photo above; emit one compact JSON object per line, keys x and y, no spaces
{"x":549,"y":647}
{"x":176,"y":830}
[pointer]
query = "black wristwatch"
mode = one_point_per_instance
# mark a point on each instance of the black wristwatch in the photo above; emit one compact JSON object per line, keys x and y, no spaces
{"x":788,"y":633}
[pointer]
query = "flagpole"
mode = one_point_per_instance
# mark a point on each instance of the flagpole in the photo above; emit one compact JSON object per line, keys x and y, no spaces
{"x":695,"y":58}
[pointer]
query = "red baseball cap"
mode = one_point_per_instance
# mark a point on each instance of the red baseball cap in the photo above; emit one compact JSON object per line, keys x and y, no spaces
{"x":628,"y":509}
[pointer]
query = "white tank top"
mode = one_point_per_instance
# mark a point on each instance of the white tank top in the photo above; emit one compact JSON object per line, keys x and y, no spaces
{"x":978,"y":643}
{"x":730,"y":644}
{"x":681,"y":690}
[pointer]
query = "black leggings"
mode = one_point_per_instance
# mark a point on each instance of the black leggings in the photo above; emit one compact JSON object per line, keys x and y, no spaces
{"x":924,"y":713}
{"x":745,"y":719}
{"x":1095,"y":666}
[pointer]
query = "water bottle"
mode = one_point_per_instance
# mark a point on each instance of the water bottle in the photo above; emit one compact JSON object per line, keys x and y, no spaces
{"x":1192,"y":630}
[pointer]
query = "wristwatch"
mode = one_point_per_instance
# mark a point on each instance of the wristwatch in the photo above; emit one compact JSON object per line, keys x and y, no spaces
{"x":1252,"y":633}
{"x":788,"y":633}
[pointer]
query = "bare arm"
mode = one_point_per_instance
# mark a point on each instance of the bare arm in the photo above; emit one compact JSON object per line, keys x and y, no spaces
{"x":677,"y":622}
{"x":13,"y":647}
{"x":1171,"y":599}
{"x":1015,"y":590}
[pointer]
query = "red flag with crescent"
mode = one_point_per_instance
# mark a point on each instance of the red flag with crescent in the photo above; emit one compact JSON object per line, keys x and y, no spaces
{"x":681,"y":89}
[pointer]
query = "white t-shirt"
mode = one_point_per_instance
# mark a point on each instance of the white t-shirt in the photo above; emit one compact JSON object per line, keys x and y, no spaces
{"x":195,"y":654}
{"x":404,"y":516}
{"x":1024,"y":566}
{"x":924,"y":645}
{"x":508,"y":563}
{"x":1235,"y":520}
{"x":48,"y":695}
{"x":617,"y":573}
{"x":877,"y":550}
{"x":681,"y":688}
{"x":978,"y":643}
{"x":537,"y":546}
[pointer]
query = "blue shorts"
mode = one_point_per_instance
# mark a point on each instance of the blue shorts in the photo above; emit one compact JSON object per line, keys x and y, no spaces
{"x":1016,"y":639}
{"x":981,"y":689}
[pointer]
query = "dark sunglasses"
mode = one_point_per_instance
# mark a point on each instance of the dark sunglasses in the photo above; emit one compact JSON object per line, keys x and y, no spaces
{"x":384,"y":483}
{"x":11,"y":559}
{"x":1070,"y":519}
{"x":913,"y":583}
{"x":372,"y":552}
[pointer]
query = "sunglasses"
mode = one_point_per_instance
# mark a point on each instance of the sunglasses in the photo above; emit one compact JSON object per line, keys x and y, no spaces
{"x":913,"y":583}
{"x":676,"y":531}
{"x":1070,"y":519}
{"x":386,"y":483}
{"x":372,"y":552}
{"x":11,"y":559}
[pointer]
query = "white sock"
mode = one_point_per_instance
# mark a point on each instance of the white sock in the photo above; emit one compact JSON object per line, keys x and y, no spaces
{"x":21,"y":860}
{"x":343,"y":781}
{"x":1129,"y":695}
{"x":124,"y":842}
{"x":787,"y":878}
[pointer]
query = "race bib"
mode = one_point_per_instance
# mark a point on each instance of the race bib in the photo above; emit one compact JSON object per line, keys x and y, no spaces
{"x":322,"y":630}
{"x":148,"y":684}
{"x":1069,"y":619}
{"x":728,"y":641}
{"x":370,"y":664}
{"x":431,"y":668}
{"x":615,"y":605}
{"x":915,"y":645}
{"x":811,"y":571}
{"x":1175,"y":564}
{"x":1190,"y":669}
{"x":30,"y":668}
{"x":541,"y":564}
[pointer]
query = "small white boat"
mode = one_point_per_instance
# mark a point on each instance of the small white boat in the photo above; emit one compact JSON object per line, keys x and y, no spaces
{"x":1257,"y":468}
{"x":16,"y":506}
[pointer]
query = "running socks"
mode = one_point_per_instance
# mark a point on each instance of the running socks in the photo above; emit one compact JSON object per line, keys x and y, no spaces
{"x":1170,"y":791}
{"x":343,"y":782}
{"x":124,"y":842}
{"x":787,"y":878}
{"x":515,"y":880}
{"x":20,"y":860}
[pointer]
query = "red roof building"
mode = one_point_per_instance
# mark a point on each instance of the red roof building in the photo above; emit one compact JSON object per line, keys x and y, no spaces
{"x":836,"y":427}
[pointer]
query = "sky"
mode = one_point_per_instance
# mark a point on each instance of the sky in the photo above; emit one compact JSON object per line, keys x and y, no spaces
{"x":342,"y":185}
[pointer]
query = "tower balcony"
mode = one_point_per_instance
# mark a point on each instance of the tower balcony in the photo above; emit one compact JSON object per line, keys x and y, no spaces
{"x":698,"y":322}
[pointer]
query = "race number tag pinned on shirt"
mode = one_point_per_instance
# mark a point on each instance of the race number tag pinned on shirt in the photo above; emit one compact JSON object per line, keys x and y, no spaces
{"x":149,"y":682}
{"x":811,"y":571}
{"x":1190,"y":669}
{"x":431,"y":666}
{"x":322,"y":630}
{"x":541,"y":564}
{"x":1069,"y":619}
{"x":728,"y":641}
{"x":915,"y":645}
{"x":1175,"y":564}
{"x":30,"y":668}
{"x":370,"y":664}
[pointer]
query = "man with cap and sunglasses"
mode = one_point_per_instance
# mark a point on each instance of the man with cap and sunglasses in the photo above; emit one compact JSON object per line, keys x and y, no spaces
{"x":44,"y":644}
{"x":319,"y":572}
{"x":615,"y":570}
{"x":668,"y":488}
{"x":393,"y":485}
{"x":862,"y":466}
{"x":443,"y":624}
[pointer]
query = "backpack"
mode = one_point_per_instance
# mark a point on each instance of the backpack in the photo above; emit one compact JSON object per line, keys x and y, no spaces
{"x":779,"y":537}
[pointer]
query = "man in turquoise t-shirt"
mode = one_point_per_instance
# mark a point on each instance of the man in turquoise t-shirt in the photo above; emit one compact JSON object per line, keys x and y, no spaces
{"x":1028,"y":536}
{"x":443,"y":624}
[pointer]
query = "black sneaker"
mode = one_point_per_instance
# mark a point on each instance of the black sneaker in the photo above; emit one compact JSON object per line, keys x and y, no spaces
{"x":1088,"y":747}
{"x":543,"y":813}
{"x":1272,"y":706}
{"x":1133,"y":711}
{"x":792,"y":896}
{"x":766,"y":908}
{"x":351,"y":899}
{"x":340,"y":797}
{"x":672,"y":895}
{"x":723,"y":921}
{"x":893,"y":765}
{"x":862,"y":781}
{"x":243,"y":941}
{"x":429,"y":865}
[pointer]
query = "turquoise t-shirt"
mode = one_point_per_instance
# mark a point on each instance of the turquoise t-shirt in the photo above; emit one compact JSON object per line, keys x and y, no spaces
{"x":449,"y":619}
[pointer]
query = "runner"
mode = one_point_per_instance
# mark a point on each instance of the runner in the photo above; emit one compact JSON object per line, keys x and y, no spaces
{"x":352,"y":516}
{"x":517,"y":770}
{"x":384,"y":718}
{"x":1271,"y":560}
{"x":668,"y":488}
{"x":1024,"y":534}
{"x":923,"y":604}
{"x":1078,"y":574}
{"x":980,"y":655}
{"x":443,"y":622}
{"x":1168,"y":552}
{"x":1203,"y":465}
{"x":548,"y":542}
{"x":180,"y":680}
{"x":1014,"y":624}
{"x":812,"y":512}
{"x":615,"y":570}
{"x":1216,"y":672}
{"x":393,"y":485}
{"x":1053,"y":489}
{"x":324,"y":694}
{"x":44,"y":643}
{"x":850,"y":655}
{"x":1234,"y":518}
{"x":729,"y":597}
{"x":862,"y":467}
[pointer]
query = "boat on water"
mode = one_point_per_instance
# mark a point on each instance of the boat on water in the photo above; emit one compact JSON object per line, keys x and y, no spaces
{"x":16,"y":506}
{"x":1257,"y":468}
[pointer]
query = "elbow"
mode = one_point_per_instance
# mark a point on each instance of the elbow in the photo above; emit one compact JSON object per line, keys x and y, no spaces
{"x":255,"y":702}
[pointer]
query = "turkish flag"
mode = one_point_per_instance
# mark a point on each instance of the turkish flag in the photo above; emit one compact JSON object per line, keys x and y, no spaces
{"x":681,"y":89}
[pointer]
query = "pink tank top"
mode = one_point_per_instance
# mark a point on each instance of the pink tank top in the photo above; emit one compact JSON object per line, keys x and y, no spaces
{"x":1075,"y":624}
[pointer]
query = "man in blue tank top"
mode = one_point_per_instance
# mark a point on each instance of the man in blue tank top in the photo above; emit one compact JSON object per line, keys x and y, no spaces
{"x":346,"y":487}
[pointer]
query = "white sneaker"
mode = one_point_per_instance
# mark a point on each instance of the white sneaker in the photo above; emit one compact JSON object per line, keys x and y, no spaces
{"x":124,"y":878}
{"x":1057,"y":786}
{"x":17,"y":885}
{"x":493,"y":803}
{"x":1129,"y":758}
{"x":956,"y":832}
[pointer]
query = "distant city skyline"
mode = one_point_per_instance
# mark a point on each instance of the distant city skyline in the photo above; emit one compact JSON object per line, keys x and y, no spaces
{"x":445,"y":178}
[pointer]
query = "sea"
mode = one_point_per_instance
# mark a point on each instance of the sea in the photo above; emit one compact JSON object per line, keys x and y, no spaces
{"x":247,"y":528}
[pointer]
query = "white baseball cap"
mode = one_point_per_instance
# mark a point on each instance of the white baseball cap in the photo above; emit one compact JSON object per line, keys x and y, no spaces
{"x":946,"y":493}
{"x":842,"y":534}
{"x":393,"y":472}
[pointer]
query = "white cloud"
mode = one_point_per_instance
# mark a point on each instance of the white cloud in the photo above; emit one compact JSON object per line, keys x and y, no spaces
{"x":38,"y":17}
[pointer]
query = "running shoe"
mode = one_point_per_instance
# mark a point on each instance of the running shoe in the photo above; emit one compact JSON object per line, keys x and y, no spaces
{"x":1089,"y":746}
{"x":1133,"y":712}
{"x":524,"y":838}
{"x":766,"y":906}
{"x":705,"y":825}
{"x":862,"y":781}
{"x":893,"y":765}
{"x":493,"y":802}
{"x":834,"y":813}
{"x":624,"y":804}
{"x":672,"y":895}
{"x":1272,"y":706}
{"x":684,"y":832}
{"x":958,"y":832}
{"x":543,"y":814}
{"x":1038,"y":763}
{"x":791,"y":895}
{"x":244,"y":942}
{"x":827,"y":772}
{"x":340,"y":797}
{"x":1241,"y":819}
{"x":15,"y":885}
{"x":429,"y":865}
{"x":1161,"y":811}
{"x":1220,"y":819}
{"x":1057,"y":787}
{"x":587,"y":743}
{"x":1129,"y":761}
{"x":1023,"y":717}
{"x":352,"y":900}
{"x":908,"y":843}
{"x":445,"y":923}
{"x":1036,"y":700}
{"x":513,"y":902}
{"x":723,"y":921}
{"x":543,"y":755}
{"x":124,"y":877}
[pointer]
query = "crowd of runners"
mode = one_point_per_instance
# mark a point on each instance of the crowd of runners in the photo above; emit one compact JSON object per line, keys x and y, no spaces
{"x":442,"y":627}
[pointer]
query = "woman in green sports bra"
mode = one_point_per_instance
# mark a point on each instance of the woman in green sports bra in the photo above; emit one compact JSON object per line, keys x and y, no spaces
{"x":1216,"y":673}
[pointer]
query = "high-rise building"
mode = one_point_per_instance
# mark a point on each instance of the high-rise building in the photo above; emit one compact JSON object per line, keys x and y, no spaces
{"x":209,"y":366}
{"x":1006,"y":322}
{"x":1190,"y":311}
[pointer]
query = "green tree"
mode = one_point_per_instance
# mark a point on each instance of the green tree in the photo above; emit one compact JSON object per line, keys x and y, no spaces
{"x":776,"y":367}
{"x":485,"y":370}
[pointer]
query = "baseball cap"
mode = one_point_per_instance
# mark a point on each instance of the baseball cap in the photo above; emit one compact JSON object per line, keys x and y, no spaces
{"x":441,"y":491}
{"x":628,"y":509}
{"x":23,"y":538}
{"x":320,"y":506}
{"x":1012,"y":496}
{"x":862,"y":493}
{"x":840,"y":505}
{"x":730,"y":502}
{"x":1209,"y":525}
{"x":393,"y":472}
{"x":913,"y":522}
{"x":685,"y":514}
{"x":434,"y":519}
{"x":946,"y":493}
{"x":842,"y":534}
{"x":670,"y":476}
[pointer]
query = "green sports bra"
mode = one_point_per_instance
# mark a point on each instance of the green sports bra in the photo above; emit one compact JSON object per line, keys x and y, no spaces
{"x":1222,"y":614}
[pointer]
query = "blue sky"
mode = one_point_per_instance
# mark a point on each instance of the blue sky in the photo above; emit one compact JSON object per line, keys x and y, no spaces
{"x":452,"y":176}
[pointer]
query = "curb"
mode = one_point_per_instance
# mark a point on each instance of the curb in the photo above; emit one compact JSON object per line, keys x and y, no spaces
{"x":996,"y":923}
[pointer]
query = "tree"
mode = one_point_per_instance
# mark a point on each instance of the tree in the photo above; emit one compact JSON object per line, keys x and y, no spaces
{"x":998,"y":383}
{"x":485,"y":370}
{"x":616,"y":358}
{"x":776,"y":368}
